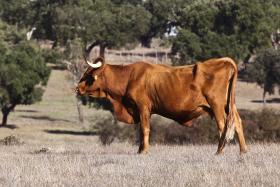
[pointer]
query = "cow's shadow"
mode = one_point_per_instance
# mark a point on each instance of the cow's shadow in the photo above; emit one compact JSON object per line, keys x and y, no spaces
{"x":71,"y":132}
{"x":26,"y":110}
{"x":9,"y":126}
{"x":42,"y":117}
{"x":273,"y":100}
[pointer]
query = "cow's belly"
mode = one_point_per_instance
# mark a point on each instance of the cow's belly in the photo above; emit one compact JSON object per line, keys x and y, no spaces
{"x":182,"y":116}
{"x":183,"y":108}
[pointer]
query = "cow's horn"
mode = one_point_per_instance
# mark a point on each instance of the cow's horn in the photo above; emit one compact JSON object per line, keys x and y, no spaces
{"x":94,"y":65}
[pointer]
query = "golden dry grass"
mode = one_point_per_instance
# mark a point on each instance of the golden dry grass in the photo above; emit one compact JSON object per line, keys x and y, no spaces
{"x":90,"y":164}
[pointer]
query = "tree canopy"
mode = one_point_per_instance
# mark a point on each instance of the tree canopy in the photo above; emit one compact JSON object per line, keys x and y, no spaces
{"x":163,"y":18}
{"x":109,"y":23}
{"x":22,"y":71}
{"x":205,"y":29}
{"x":265,"y":71}
{"x":114,"y":25}
{"x":224,"y":28}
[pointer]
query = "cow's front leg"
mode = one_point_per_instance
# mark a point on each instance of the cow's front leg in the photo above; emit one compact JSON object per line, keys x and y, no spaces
{"x":144,"y":131}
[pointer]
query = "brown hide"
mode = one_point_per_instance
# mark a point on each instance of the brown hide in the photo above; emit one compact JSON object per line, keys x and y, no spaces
{"x":179,"y":93}
{"x":121,"y":112}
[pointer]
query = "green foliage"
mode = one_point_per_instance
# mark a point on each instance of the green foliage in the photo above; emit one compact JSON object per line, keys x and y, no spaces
{"x":113,"y":23}
{"x":265,"y":71}
{"x":52,"y":56}
{"x":186,"y":52}
{"x":223,"y":28}
{"x":15,"y":12}
{"x":219,"y":28}
{"x":97,"y":103}
{"x":10,"y":35}
{"x":163,"y":18}
{"x":23,"y":70}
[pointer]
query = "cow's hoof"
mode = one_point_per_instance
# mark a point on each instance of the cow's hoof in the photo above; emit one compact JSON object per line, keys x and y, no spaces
{"x":143,"y":152}
{"x":219,"y":153}
{"x":243,"y":151}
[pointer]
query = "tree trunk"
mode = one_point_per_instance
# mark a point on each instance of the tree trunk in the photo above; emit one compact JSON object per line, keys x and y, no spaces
{"x":80,"y":110}
{"x":146,"y":41}
{"x":264,"y":100}
{"x":102,"y":50}
{"x":4,"y":119}
{"x":6,"y":111}
{"x":54,"y":45}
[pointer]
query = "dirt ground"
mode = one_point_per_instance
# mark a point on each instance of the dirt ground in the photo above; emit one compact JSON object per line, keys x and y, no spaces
{"x":249,"y":96}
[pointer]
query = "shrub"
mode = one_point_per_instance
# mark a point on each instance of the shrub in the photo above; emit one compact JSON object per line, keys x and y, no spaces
{"x":261,"y":125}
{"x":23,"y":72}
{"x":52,"y":56}
{"x":11,"y":140}
{"x":104,"y":125}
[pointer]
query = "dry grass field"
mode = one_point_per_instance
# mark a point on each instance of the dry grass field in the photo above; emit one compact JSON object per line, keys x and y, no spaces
{"x":57,"y":151}
{"x":89,"y":164}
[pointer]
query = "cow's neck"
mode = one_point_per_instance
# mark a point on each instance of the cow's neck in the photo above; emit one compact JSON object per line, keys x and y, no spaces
{"x":117,"y":77}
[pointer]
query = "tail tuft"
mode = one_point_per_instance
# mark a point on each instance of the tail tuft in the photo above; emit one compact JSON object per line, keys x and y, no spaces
{"x":230,"y":125}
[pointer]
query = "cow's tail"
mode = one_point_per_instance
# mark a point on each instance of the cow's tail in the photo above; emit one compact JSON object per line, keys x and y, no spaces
{"x":230,"y":122}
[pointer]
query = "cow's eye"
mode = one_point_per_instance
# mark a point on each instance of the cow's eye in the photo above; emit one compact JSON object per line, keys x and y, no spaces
{"x":89,"y":80}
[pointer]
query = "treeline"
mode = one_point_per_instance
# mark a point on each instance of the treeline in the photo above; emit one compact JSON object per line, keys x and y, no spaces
{"x":196,"y":30}
{"x":199,"y":29}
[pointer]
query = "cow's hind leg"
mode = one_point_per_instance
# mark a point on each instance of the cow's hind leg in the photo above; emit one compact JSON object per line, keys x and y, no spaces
{"x":239,"y":131}
{"x":220,"y":114}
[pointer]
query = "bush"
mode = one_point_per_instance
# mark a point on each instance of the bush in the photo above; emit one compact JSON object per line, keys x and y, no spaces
{"x":52,"y":56}
{"x":105,"y":125}
{"x":11,"y":140}
{"x":261,"y":125}
{"x":23,"y":72}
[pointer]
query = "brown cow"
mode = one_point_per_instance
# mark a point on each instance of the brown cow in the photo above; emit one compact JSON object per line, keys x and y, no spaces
{"x":182,"y":93}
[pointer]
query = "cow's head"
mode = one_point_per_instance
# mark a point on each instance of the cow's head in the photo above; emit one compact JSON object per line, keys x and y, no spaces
{"x":93,"y":81}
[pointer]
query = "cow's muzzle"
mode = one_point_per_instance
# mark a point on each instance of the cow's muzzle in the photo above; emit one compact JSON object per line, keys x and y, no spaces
{"x":77,"y":90}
